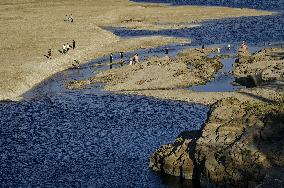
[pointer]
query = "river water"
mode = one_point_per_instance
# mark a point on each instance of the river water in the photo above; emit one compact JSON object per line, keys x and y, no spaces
{"x":90,"y":138}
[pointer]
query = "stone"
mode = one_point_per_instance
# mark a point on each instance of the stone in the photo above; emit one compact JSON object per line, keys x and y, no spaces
{"x":176,"y":158}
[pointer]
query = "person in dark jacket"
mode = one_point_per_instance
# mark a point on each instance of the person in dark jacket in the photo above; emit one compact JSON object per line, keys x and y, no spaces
{"x":73,"y":44}
{"x":110,"y":61}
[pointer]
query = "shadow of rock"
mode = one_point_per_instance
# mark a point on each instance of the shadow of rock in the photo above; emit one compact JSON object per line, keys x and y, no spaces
{"x":270,"y":143}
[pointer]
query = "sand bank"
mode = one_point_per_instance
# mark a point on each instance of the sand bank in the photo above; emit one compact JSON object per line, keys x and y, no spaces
{"x":191,"y":67}
{"x":30,"y":28}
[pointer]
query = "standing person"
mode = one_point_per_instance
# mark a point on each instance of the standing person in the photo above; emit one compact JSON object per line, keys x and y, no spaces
{"x":73,"y":44}
{"x":167,"y":51}
{"x":110,"y":61}
{"x":67,"y":47}
{"x":229,"y":47}
{"x":218,"y":50}
{"x":71,"y":18}
{"x":244,"y":47}
{"x":121,"y":58}
{"x":136,"y":58}
{"x":130,"y":61}
{"x":66,"y":18}
{"x":203,"y":47}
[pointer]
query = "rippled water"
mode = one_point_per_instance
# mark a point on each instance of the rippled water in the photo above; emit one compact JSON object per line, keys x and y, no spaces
{"x":88,"y":140}
{"x":256,"y":4}
{"x":254,"y":30}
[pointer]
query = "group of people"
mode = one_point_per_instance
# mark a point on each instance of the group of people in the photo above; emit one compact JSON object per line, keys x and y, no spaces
{"x":67,"y":47}
{"x":68,"y":18}
{"x":218,"y":48}
{"x":132,"y":60}
{"x":64,"y":50}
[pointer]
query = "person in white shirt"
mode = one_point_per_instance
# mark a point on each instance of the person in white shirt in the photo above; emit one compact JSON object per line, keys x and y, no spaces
{"x":67,"y":47}
{"x":130,"y":61}
{"x":229,"y":47}
{"x":136,"y":58}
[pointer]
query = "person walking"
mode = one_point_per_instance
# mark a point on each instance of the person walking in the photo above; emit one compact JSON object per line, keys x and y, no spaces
{"x":110,"y":61}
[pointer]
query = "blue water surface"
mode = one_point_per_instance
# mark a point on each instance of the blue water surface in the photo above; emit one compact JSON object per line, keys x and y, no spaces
{"x":256,"y":4}
{"x":88,"y":140}
{"x":254,"y":30}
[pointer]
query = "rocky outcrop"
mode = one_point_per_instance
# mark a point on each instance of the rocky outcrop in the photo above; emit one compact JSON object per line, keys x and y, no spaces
{"x":176,"y":159}
{"x":264,"y":66}
{"x":231,"y":149}
{"x":241,"y":145}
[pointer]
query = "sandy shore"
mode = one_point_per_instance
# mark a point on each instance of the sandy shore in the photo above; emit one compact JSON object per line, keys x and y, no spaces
{"x":30,"y":28}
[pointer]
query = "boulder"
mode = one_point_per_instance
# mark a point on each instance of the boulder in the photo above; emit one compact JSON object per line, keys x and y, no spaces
{"x":240,"y":145}
{"x":176,"y":158}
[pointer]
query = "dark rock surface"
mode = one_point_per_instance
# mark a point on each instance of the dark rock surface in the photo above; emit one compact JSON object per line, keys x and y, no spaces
{"x":264,"y":66}
{"x":241,"y":146}
{"x":177,"y":158}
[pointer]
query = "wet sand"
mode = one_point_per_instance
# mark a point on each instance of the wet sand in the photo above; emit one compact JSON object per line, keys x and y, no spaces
{"x":30,"y":28}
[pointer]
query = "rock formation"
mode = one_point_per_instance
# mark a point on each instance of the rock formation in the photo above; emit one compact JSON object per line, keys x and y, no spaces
{"x":176,"y":159}
{"x":264,"y":66}
{"x":241,"y":145}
